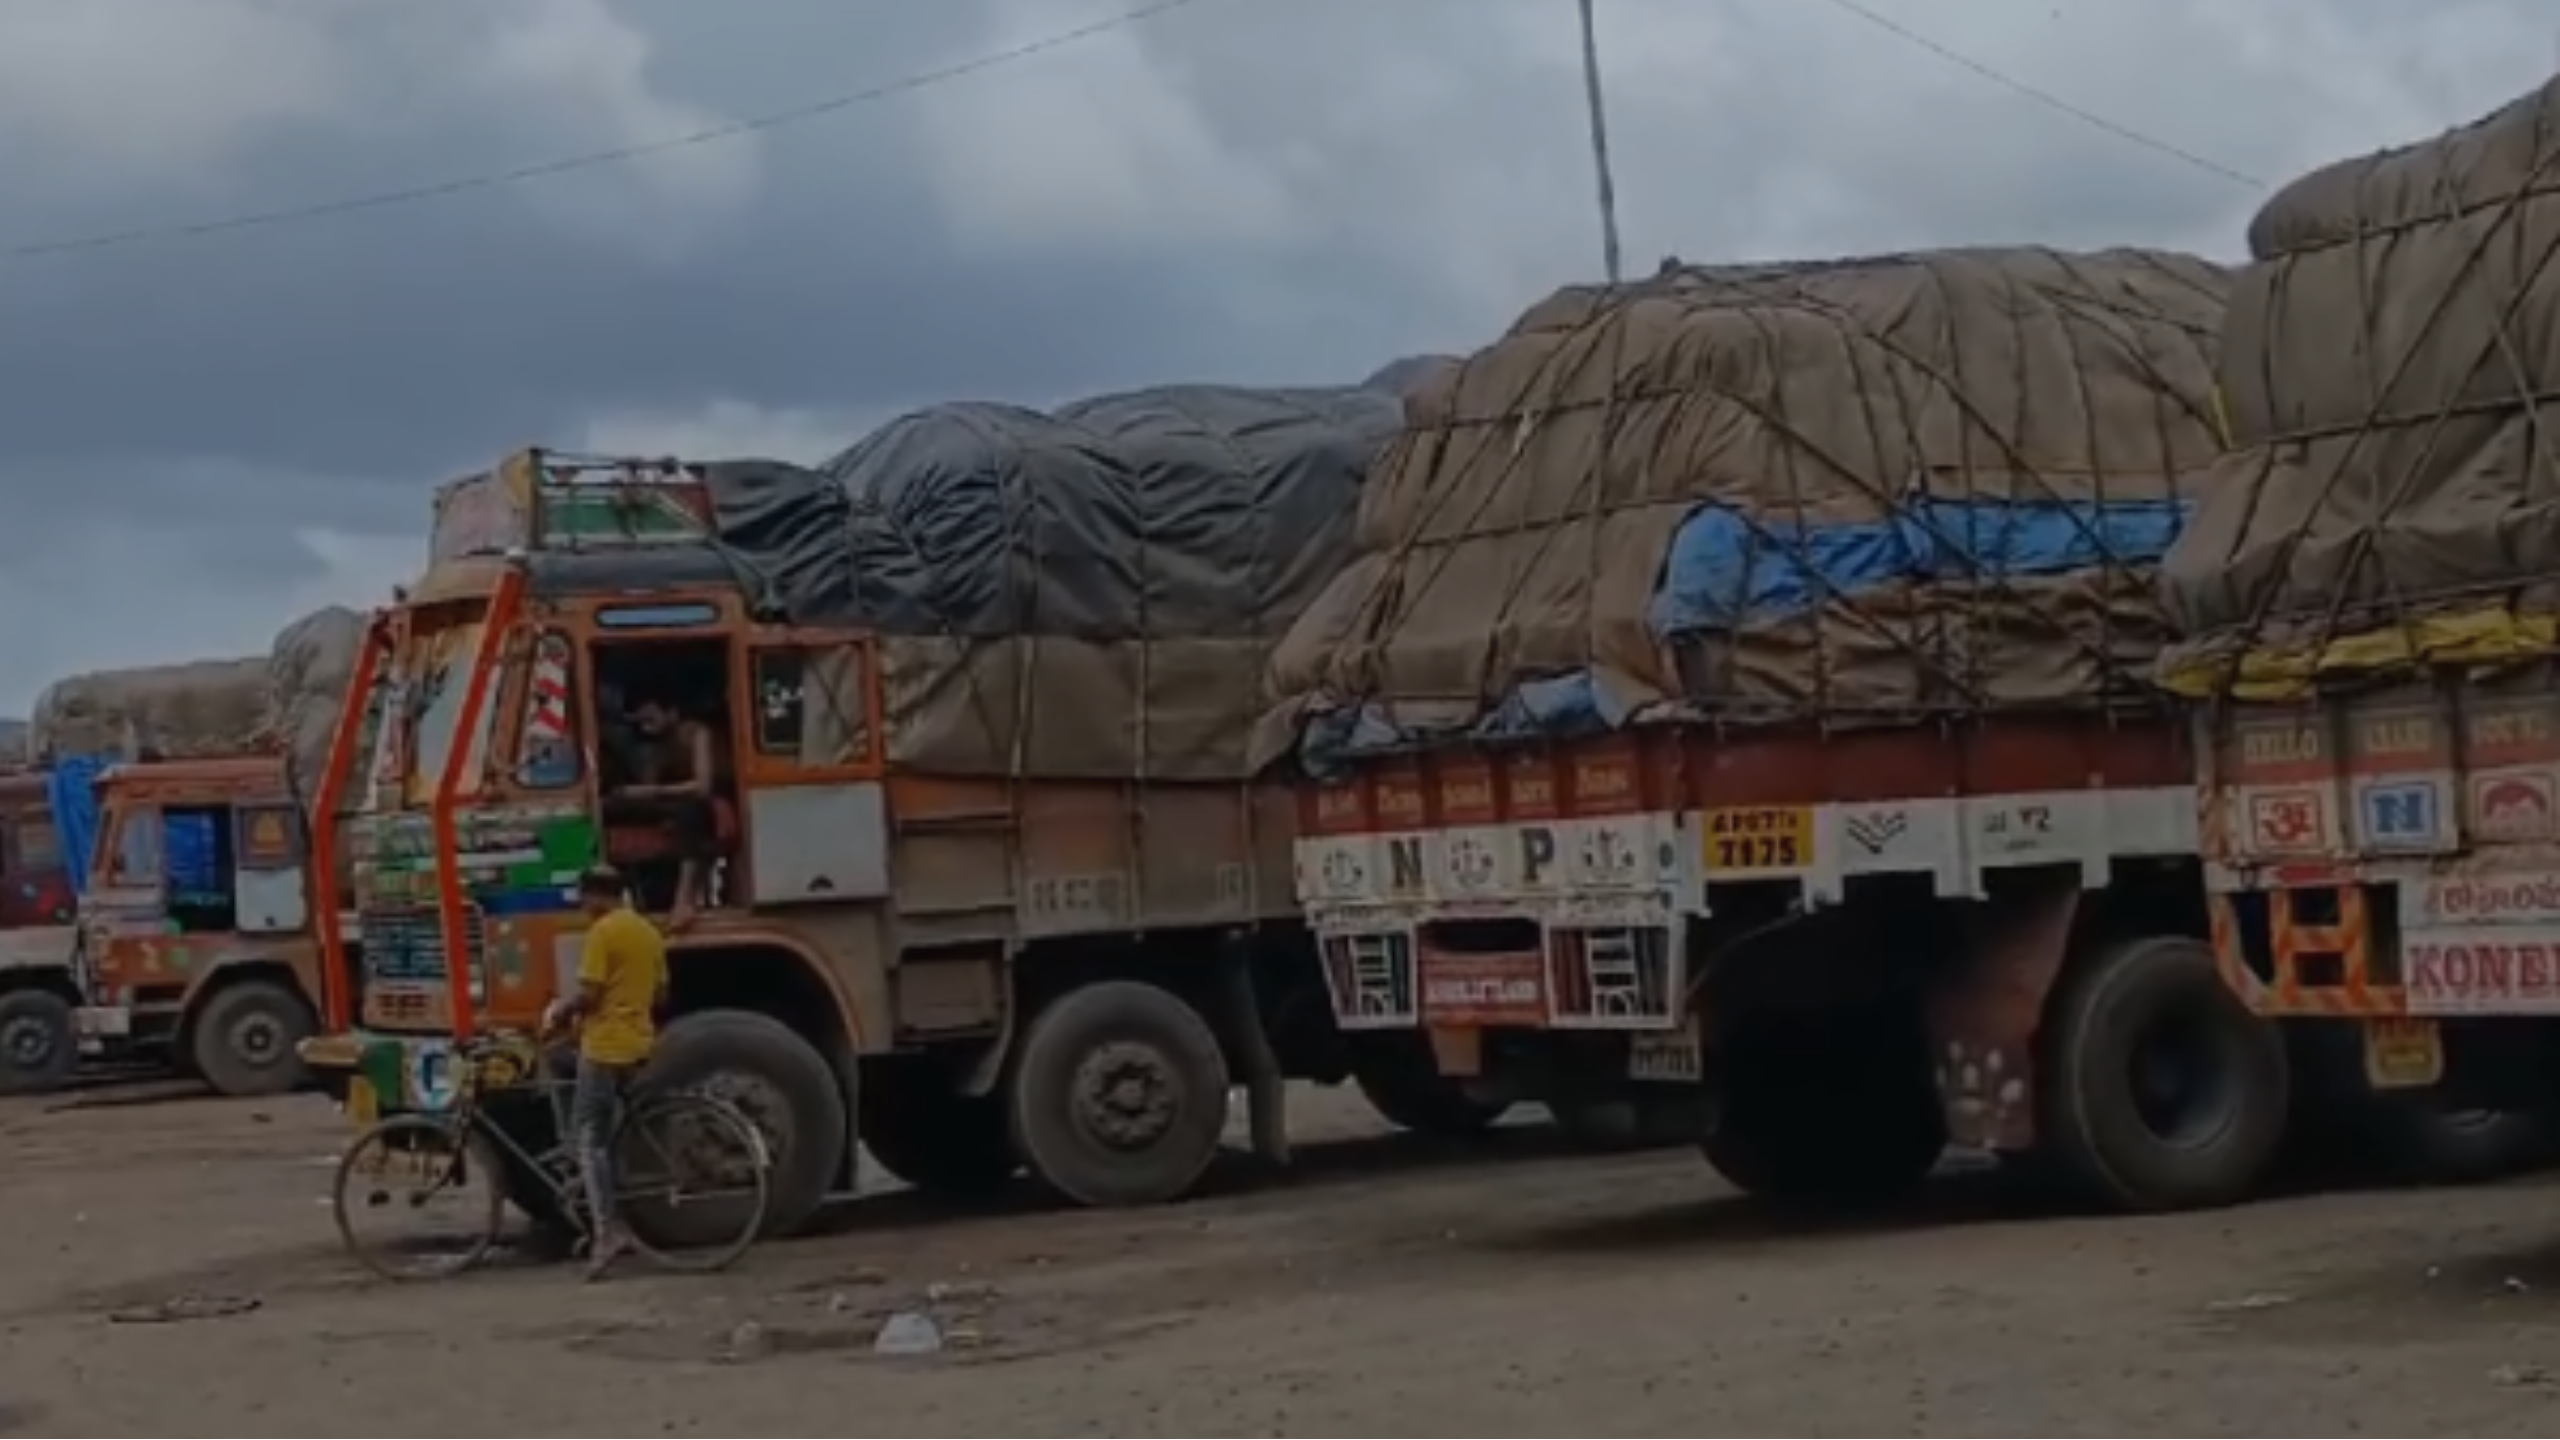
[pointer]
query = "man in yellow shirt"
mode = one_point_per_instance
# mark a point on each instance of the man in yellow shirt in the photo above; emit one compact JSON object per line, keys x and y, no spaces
{"x":622,"y":980}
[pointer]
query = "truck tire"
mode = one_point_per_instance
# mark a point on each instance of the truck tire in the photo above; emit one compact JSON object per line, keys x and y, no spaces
{"x":783,"y":1084}
{"x":2425,"y":1142}
{"x":2158,"y":1089}
{"x":939,"y":1141}
{"x":242,"y":1038}
{"x":2342,"y":1124}
{"x":39,"y":1043}
{"x":1403,"y":1084}
{"x":1827,"y":1111}
{"x":1119,"y":1096}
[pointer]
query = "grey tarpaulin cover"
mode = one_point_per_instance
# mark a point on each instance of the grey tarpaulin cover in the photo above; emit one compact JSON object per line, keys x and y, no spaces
{"x":308,"y":669}
{"x":1087,"y":593}
{"x":196,"y":710}
{"x":1869,"y":488}
{"x":2392,"y":495}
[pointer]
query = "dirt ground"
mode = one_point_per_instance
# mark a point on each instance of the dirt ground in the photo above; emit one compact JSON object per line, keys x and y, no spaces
{"x":1388,"y":1289}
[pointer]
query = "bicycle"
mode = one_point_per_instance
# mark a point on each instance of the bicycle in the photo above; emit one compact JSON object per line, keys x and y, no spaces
{"x":446,"y":1149}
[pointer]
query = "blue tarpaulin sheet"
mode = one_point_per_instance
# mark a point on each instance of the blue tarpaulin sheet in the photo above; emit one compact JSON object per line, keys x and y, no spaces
{"x":1725,"y":568}
{"x":71,"y":791}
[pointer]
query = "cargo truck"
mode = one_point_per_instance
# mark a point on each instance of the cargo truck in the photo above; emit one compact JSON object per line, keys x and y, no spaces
{"x":976,"y":898}
{"x":1743,"y":710}
{"x":2366,"y":616}
{"x":190,"y":944}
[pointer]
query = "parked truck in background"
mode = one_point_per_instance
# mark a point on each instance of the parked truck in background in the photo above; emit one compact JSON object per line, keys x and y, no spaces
{"x":191,"y":943}
{"x":966,"y":971}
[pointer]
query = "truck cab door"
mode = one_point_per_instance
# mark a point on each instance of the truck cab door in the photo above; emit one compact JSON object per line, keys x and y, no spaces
{"x":809,"y":767}
{"x":269,"y":887}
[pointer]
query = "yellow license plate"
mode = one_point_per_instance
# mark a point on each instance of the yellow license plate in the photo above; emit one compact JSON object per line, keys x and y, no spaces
{"x":2402,"y":1054}
{"x":363,"y":1106}
{"x":1759,"y":839}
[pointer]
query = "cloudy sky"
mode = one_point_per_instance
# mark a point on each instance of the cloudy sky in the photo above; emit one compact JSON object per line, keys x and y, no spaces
{"x":203,"y":435}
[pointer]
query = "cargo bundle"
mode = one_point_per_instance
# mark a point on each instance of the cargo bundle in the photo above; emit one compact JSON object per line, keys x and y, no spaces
{"x":1862,"y":491}
{"x":2392,"y":501}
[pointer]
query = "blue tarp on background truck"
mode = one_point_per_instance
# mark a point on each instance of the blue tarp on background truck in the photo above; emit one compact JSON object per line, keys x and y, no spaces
{"x":71,"y":792}
{"x":1725,"y":569}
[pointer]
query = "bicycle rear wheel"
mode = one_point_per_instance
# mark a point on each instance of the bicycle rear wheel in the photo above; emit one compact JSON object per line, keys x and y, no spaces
{"x":692,"y":1180}
{"x":421,"y":1170}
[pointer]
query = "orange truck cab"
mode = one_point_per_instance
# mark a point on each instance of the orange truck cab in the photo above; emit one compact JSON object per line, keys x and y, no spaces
{"x":192,"y":945}
{"x":197,"y":943}
{"x":973,"y":977}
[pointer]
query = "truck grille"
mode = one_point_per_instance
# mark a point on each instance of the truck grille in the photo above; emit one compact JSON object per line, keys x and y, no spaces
{"x":404,"y":952}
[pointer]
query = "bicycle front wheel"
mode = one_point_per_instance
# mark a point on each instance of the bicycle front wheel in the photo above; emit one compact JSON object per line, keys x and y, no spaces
{"x":416,"y":1176}
{"x":692,"y":1180}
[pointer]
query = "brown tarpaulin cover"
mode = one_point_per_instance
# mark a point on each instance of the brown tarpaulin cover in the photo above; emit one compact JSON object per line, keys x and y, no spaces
{"x":307,"y":672}
{"x":197,"y":710}
{"x":2383,"y":363}
{"x":286,"y":699}
{"x":1519,"y":528}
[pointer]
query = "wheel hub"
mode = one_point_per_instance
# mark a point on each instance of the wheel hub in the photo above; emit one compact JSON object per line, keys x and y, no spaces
{"x":28,"y":1043}
{"x":258,"y":1039}
{"x":2184,"y":1088}
{"x":1126,"y":1095}
{"x":761,"y":1104}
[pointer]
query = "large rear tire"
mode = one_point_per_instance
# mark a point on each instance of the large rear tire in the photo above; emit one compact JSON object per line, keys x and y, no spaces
{"x":927,"y":1134}
{"x":1827,"y":1110}
{"x":39,"y":1042}
{"x":1119,"y":1096}
{"x":245,"y":1038}
{"x":1403,"y":1084}
{"x":782,"y":1085}
{"x":2158,"y":1089}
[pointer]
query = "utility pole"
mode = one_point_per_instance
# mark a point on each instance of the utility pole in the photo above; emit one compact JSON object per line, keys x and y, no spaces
{"x":1608,"y":184}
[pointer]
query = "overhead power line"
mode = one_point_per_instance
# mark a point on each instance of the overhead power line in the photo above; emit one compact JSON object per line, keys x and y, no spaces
{"x":593,"y":159}
{"x":2047,"y":98}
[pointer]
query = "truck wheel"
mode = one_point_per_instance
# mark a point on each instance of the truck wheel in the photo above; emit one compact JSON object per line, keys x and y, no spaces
{"x":2159,"y":1090}
{"x":39,"y":1044}
{"x":1827,"y":1111}
{"x":779,"y":1080}
{"x":1119,"y":1096}
{"x":1647,"y":1116}
{"x":1403,"y":1084}
{"x":2411,"y":1137}
{"x":919,"y":1130}
{"x":242,"y":1038}
{"x":2424,"y":1142}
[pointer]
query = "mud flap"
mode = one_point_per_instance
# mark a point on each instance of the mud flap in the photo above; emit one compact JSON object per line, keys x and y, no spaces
{"x":1266,"y":1090}
{"x":1983,"y":1016}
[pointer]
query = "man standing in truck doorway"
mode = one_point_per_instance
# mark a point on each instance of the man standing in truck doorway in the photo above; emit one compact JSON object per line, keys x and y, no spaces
{"x":622,"y":980}
{"x":678,"y":765}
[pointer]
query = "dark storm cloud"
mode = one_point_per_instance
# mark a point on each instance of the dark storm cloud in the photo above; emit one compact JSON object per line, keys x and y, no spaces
{"x":181,"y":418}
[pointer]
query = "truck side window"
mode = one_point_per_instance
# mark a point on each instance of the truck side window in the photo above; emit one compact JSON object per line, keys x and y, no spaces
{"x":549,"y":752}
{"x":270,"y":837}
{"x":36,"y":845}
{"x":809,"y":704}
{"x":781,"y":679}
{"x":136,"y":859}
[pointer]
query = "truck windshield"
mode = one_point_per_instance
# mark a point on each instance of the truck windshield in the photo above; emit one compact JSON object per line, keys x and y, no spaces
{"x":438,"y":675}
